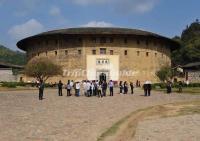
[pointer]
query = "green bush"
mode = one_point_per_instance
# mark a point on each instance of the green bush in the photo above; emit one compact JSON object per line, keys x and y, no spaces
{"x":174,"y":85}
{"x":194,"y":85}
{"x":13,"y":84}
{"x":21,"y":84}
{"x":158,"y":85}
{"x":9,"y":84}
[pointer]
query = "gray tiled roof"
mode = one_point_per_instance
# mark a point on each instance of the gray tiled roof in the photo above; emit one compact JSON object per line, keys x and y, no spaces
{"x":96,"y":31}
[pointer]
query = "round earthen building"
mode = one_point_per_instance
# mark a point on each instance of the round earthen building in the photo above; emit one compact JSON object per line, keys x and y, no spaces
{"x":102,"y":53}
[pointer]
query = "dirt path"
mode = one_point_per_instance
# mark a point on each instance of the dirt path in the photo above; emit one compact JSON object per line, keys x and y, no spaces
{"x":125,"y":129}
{"x":23,"y":117}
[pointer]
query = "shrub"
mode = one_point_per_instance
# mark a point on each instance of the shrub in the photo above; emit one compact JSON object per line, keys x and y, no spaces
{"x":174,"y":85}
{"x":9,"y":84}
{"x":158,"y":85}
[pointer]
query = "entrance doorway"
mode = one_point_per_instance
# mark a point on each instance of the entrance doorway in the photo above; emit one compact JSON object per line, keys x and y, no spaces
{"x":102,"y":77}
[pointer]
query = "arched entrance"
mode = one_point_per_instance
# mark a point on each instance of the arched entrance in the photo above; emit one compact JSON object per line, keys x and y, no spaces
{"x":102,"y":77}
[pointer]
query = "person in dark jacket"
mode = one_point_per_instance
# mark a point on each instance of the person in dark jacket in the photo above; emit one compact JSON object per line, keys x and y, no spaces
{"x":60,"y":85}
{"x":180,"y":85}
{"x":149,"y":89}
{"x":145,"y":89}
{"x":125,"y":87}
{"x":120,"y":87}
{"x":41,"y":89}
{"x":104,"y":88}
{"x":132,"y":87}
{"x":169,"y":87}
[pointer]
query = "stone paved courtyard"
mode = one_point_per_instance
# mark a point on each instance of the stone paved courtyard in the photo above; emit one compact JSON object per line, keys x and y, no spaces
{"x":24,"y":118}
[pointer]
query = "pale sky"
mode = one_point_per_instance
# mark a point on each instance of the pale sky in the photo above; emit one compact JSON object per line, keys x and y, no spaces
{"x":23,"y":18}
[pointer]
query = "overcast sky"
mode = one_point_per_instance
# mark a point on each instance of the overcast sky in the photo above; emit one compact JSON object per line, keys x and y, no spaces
{"x":23,"y":18}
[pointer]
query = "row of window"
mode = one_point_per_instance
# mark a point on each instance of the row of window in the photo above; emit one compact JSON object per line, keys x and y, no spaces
{"x":103,"y":40}
{"x":102,"y":61}
{"x":102,"y":52}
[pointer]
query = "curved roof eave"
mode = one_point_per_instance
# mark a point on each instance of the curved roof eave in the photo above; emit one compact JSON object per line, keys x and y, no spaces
{"x":95,"y":31}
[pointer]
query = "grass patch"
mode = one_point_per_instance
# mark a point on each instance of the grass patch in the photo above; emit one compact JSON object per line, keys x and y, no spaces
{"x":112,"y":130}
{"x":115,"y":127}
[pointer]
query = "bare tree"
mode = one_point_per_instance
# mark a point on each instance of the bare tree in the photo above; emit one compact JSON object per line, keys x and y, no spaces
{"x":42,"y":68}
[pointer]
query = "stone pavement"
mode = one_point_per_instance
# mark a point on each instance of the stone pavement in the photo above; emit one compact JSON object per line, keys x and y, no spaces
{"x":24,"y":118}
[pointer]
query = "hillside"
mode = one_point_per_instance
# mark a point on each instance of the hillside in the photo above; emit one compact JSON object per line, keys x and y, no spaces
{"x":13,"y":57}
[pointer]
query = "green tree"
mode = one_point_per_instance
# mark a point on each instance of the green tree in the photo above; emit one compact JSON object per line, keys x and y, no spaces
{"x":190,"y":45}
{"x":42,"y":68}
{"x":164,"y":73}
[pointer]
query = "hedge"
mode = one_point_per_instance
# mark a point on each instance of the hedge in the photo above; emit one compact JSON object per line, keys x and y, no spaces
{"x":174,"y":85}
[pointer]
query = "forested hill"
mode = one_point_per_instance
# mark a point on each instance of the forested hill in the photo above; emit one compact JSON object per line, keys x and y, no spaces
{"x":12,"y":57}
{"x":190,"y":45}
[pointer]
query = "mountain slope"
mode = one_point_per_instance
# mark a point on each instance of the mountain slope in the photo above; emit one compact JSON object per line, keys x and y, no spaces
{"x":12,"y":57}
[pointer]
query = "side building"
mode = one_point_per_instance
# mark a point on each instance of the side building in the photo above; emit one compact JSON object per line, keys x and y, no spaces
{"x":10,"y":73}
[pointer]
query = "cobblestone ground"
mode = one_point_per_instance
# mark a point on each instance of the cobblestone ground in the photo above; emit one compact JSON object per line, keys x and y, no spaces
{"x":24,"y":118}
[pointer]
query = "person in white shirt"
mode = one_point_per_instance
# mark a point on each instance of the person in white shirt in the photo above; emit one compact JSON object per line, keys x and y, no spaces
{"x":88,"y":88}
{"x":71,"y":83}
{"x":77,"y":88}
{"x":85,"y":87}
{"x":68,"y":87}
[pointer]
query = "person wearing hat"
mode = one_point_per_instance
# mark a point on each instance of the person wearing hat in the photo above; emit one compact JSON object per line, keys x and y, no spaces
{"x":149,"y":88}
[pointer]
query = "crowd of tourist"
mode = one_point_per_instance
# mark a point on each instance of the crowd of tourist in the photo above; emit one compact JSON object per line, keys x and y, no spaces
{"x":91,"y":88}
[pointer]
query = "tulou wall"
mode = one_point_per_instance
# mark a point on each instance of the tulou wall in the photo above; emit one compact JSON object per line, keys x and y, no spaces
{"x":138,"y":57}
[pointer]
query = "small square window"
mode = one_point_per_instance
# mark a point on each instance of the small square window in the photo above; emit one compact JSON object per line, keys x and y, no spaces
{"x":66,"y":52}
{"x":111,"y":52}
{"x":93,"y":52}
{"x":147,"y":54}
{"x":79,"y":52}
{"x":102,"y":50}
{"x":138,"y":53}
{"x":125,"y":52}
